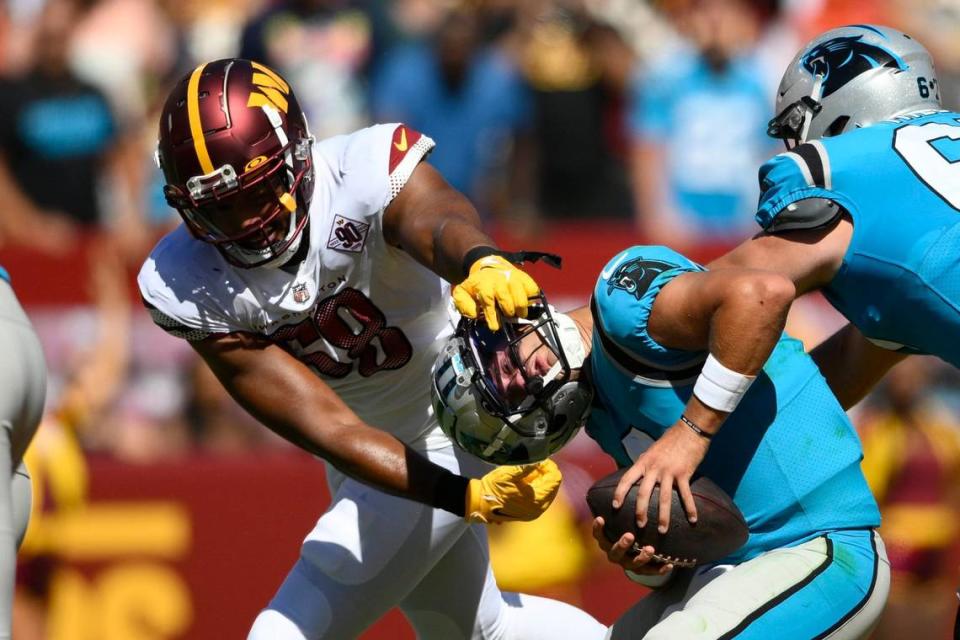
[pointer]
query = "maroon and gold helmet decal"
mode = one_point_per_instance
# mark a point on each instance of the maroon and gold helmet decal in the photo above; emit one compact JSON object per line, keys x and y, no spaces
{"x":269,"y":89}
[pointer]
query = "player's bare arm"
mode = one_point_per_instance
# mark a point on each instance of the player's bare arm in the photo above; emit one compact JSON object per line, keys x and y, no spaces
{"x":736,"y":314}
{"x":441,"y":229}
{"x":434,"y":223}
{"x":283,"y":394}
{"x":810,"y":258}
{"x":852,"y":364}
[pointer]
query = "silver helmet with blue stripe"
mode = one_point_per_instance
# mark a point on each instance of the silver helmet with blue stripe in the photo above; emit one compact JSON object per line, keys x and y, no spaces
{"x":516,"y":395}
{"x":853,"y":77}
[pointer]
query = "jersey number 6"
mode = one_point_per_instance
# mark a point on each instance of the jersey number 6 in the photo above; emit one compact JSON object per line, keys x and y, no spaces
{"x":918,"y":146}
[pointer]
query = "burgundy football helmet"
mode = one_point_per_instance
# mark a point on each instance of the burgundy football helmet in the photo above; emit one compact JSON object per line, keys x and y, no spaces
{"x":235,"y":151}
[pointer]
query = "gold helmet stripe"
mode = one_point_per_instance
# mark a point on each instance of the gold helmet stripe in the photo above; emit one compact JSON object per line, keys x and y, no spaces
{"x":193,"y":114}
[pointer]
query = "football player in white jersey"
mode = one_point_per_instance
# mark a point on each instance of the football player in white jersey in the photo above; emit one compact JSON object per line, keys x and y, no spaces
{"x":23,"y":389}
{"x":312,"y":280}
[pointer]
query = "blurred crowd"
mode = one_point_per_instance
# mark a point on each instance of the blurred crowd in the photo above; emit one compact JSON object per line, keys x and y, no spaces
{"x":651,"y":114}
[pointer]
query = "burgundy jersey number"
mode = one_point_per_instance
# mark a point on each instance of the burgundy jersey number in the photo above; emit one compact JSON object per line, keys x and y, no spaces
{"x":347,"y":320}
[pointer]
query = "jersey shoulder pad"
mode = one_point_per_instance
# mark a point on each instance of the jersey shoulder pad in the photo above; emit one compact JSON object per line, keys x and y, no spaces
{"x":623,"y":299}
{"x":811,"y":213}
{"x":174,"y":290}
{"x":787,"y":179}
{"x":374,"y":163}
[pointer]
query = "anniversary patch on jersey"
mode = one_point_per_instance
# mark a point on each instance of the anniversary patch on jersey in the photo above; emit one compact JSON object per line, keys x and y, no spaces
{"x":404,"y":138}
{"x":347,"y":234}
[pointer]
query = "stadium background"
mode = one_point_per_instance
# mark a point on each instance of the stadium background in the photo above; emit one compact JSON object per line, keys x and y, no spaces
{"x":578,"y":127}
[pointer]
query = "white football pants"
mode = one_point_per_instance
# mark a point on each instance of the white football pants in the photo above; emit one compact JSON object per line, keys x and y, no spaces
{"x":371,"y":551}
{"x":23,"y":385}
{"x":834,"y":586}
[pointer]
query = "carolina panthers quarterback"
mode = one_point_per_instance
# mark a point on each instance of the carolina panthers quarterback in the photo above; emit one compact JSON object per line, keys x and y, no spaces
{"x":23,"y":389}
{"x":310,"y":277}
{"x":663,"y":344}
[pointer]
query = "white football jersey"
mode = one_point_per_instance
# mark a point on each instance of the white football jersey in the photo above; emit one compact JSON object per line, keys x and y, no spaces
{"x":363,"y":315}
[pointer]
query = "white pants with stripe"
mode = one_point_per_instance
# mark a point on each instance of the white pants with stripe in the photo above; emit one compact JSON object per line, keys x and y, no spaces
{"x":23,"y":384}
{"x":371,"y":551}
{"x":833,"y":586}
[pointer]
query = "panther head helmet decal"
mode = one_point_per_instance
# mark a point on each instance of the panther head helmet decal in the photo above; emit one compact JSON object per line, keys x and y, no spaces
{"x":852,"y":77}
{"x":841,"y":59}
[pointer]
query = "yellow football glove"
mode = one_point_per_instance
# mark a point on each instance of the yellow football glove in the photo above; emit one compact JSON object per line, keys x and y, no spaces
{"x":515,"y":492}
{"x":494,"y":282}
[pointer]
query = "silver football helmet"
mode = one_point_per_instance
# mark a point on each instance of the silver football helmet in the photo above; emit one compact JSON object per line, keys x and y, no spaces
{"x":540,"y":410}
{"x":852,"y":77}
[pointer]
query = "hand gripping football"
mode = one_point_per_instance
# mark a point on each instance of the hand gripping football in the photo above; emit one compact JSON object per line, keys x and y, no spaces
{"x":720,"y":529}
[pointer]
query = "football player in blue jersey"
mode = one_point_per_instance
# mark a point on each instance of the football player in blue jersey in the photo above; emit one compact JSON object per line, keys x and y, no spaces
{"x":692,"y":374}
{"x":23,"y":387}
{"x":865,"y":206}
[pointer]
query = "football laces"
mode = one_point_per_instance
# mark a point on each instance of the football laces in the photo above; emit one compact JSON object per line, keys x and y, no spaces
{"x":685,"y":563}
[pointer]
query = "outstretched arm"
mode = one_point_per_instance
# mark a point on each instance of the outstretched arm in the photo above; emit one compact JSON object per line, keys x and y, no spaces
{"x":285,"y":395}
{"x":440,"y":228}
{"x":434,"y":223}
{"x":736,"y":314}
{"x":809,"y":258}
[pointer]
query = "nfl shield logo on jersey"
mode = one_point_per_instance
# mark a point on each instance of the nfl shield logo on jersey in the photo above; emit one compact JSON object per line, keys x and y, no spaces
{"x":347,"y":234}
{"x":300,"y":293}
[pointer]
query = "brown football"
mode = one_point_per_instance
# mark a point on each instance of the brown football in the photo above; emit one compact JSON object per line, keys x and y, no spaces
{"x":720,"y":529}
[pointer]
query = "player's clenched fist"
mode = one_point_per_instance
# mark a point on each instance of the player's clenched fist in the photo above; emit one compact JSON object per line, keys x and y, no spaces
{"x":515,"y":492}
{"x":494,"y":281}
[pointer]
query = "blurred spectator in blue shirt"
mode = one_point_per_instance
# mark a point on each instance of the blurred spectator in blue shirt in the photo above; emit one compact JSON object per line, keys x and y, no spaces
{"x":698,"y":117}
{"x":465,"y":94}
{"x":57,"y":136}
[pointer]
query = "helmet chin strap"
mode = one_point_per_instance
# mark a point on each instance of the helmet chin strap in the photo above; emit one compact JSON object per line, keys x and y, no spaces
{"x":808,"y":115}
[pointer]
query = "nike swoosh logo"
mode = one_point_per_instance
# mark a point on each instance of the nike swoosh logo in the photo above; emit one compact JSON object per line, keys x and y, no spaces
{"x":605,"y":274}
{"x":402,"y":145}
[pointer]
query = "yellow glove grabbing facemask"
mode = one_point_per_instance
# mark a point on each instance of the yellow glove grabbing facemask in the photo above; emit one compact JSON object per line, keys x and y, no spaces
{"x":494,"y":282}
{"x":515,"y":492}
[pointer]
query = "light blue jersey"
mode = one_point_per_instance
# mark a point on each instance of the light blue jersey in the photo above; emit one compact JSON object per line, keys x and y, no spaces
{"x":900,"y":182}
{"x":3,"y":274}
{"x":788,"y":455}
{"x":711,"y":124}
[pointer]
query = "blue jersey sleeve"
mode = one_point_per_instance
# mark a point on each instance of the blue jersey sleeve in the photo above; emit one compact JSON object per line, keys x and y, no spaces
{"x":624,"y":296}
{"x":802,"y":174}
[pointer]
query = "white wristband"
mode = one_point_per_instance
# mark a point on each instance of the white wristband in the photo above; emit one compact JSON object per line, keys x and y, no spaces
{"x":720,"y":388}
